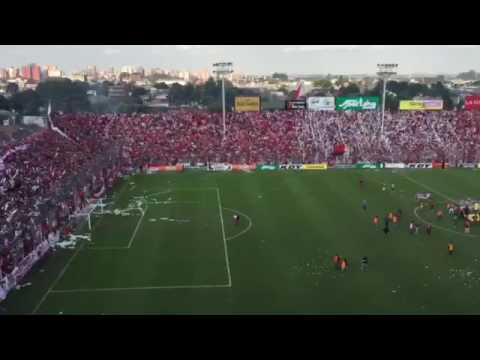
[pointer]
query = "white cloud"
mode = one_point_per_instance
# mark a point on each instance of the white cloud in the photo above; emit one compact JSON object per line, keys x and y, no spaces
{"x":111,"y":51}
{"x":306,"y":48}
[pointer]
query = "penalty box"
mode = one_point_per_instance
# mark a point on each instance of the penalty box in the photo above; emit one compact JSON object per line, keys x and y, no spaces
{"x":162,"y":254}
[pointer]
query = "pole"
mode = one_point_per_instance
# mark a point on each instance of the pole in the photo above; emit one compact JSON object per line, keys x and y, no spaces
{"x":383,"y":104}
{"x":223,"y":107}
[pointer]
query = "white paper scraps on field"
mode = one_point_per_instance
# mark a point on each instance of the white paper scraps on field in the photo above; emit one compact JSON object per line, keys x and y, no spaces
{"x":72,"y":242}
{"x":174,"y":220}
{"x":20,"y":286}
{"x":152,"y":220}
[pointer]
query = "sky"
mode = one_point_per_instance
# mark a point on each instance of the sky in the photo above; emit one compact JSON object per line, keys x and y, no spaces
{"x":252,"y":59}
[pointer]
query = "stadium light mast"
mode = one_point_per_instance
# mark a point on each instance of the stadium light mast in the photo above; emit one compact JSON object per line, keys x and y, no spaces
{"x":385,"y":71}
{"x":222,"y":69}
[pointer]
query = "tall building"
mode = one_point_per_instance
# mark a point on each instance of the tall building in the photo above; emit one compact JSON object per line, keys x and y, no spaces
{"x":32,"y":72}
{"x":3,"y":74}
{"x":13,"y":72}
{"x":54,"y":71}
{"x":92,"y":73}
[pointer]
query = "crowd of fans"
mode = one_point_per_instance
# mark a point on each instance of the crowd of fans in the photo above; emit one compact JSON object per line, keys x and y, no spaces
{"x":46,"y":177}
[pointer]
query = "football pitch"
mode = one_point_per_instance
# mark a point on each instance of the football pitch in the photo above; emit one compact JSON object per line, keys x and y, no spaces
{"x":167,"y":244}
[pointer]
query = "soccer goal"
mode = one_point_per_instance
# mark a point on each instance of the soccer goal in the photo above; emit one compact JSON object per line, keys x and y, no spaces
{"x":94,"y":207}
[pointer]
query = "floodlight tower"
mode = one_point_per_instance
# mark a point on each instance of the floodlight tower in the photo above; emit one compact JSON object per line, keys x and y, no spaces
{"x":385,"y":71}
{"x":222,"y":69}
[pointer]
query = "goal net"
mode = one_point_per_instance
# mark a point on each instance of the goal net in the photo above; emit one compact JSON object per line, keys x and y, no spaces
{"x":85,"y":215}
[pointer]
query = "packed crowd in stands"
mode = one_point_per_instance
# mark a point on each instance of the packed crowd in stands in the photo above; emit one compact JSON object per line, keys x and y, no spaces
{"x":47,"y":176}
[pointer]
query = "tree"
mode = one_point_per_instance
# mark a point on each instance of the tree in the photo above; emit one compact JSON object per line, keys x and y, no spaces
{"x":12,"y":88}
{"x":176,"y":95}
{"x":26,"y":102}
{"x":323,"y":84}
{"x":65,"y":95}
{"x":161,"y":86}
{"x":280,"y":76}
{"x":349,"y":90}
{"x":139,"y":91}
{"x":4,"y":103}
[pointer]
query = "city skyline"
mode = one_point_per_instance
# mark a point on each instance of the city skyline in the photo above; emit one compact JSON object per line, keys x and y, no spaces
{"x":251,"y":59}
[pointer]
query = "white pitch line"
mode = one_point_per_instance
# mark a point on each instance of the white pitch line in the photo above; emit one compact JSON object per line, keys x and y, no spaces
{"x":224,"y":238}
{"x":136,"y":228}
{"x":250,"y":224}
{"x":140,"y":288}
{"x":428,"y":187}
{"x":57,"y":279}
{"x":107,"y":248}
{"x":441,"y":227}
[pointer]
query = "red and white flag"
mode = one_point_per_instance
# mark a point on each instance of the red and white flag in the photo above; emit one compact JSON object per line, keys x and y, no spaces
{"x":299,"y":93}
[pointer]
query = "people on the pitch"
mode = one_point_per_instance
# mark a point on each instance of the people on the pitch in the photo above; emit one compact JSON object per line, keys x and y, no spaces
{"x":386,"y":230}
{"x":376,"y":220}
{"x":236,"y":219}
{"x":364,"y":205}
{"x":336,"y":261}
{"x":428,"y":229}
{"x":361,"y":182}
{"x":451,"y":211}
{"x":411,"y":227}
{"x":466,"y":226}
{"x":393,"y":187}
{"x":344,"y":265}
{"x":384,"y":187}
{"x":451,"y":248}
{"x":364,"y":264}
{"x":395,"y":219}
{"x":439,"y":214}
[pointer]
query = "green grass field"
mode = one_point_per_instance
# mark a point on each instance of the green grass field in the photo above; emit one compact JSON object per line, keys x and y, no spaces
{"x":175,"y":250}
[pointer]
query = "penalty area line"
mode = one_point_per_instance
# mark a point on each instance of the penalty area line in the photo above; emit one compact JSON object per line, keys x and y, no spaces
{"x":136,"y":228}
{"x":140,"y":288}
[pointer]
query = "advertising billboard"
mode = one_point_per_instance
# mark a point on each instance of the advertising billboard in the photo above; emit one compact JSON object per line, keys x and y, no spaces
{"x":247,"y":103}
{"x":359,"y":103}
{"x":267,"y":167}
{"x":322,"y":166}
{"x":244,"y":167}
{"x":321,"y":103}
{"x":165,"y":168}
{"x":295,"y":105}
{"x":421,"y":105}
{"x":220,"y":167}
{"x":472,"y":102}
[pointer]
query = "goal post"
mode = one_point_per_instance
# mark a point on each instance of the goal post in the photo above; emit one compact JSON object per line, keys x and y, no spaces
{"x":91,"y":209}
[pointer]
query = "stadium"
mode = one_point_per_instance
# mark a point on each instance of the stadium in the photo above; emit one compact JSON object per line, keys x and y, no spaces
{"x":328,"y":207}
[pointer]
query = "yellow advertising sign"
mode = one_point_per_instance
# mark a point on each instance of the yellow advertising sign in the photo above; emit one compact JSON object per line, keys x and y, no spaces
{"x":411,"y":105}
{"x":322,"y":166}
{"x":247,"y":103}
{"x":432,"y":104}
